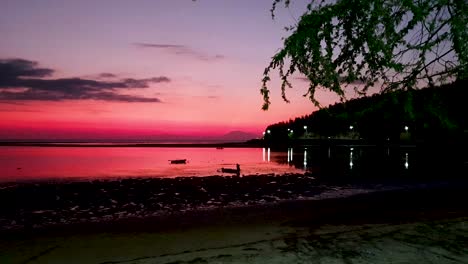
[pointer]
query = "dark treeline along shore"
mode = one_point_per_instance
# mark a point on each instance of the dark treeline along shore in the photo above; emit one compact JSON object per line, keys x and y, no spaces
{"x":429,"y":115}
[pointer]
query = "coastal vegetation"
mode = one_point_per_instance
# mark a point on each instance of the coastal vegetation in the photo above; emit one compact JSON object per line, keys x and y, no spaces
{"x":360,"y":44}
{"x":430,"y":114}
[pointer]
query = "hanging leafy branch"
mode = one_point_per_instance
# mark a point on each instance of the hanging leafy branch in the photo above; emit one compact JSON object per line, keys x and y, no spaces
{"x":393,"y":44}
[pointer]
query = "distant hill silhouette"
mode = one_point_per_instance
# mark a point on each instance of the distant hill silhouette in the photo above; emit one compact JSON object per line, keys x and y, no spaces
{"x":437,"y":113}
{"x":238,"y":136}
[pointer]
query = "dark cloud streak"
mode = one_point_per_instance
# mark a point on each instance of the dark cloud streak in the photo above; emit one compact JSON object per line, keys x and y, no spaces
{"x":20,"y":73}
{"x":161,"y":46}
{"x":13,"y":68}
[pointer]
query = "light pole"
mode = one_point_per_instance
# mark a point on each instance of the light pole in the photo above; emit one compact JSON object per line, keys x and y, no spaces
{"x":406,"y":128}
{"x":305,"y":129}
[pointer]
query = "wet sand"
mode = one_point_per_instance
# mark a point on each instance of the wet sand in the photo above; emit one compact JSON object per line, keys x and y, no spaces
{"x":442,"y":241}
{"x":407,"y":225}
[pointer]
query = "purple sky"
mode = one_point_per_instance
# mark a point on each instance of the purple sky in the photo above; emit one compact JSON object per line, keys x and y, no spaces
{"x":211,"y":55}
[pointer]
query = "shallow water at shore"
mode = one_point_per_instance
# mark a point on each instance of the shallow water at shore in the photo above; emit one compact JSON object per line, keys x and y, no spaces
{"x":35,"y":163}
{"x":25,"y":163}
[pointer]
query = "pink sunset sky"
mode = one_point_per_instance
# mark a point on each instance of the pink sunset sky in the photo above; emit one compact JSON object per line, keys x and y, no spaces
{"x":141,"y":69}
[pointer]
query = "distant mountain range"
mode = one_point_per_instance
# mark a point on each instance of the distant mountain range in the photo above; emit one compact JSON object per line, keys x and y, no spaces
{"x":236,"y":136}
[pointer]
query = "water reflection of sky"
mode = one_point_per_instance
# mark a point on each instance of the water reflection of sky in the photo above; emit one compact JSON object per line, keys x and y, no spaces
{"x":20,"y":163}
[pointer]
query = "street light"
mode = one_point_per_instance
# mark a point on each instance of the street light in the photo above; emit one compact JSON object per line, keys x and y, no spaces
{"x":268,"y":131}
{"x":406,"y":128}
{"x":351,"y":127}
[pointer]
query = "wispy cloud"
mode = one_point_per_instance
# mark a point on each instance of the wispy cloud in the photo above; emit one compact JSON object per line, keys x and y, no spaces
{"x":207,"y":96}
{"x":181,"y":50}
{"x":22,"y":79}
{"x":107,"y":75}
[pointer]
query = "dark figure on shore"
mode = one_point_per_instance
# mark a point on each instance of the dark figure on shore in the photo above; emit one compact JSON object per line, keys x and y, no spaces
{"x":238,"y":169}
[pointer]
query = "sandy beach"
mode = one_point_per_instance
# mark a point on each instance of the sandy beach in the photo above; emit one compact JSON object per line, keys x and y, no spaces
{"x":411,"y":223}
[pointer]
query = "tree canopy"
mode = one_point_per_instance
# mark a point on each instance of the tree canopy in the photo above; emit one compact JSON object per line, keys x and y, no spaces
{"x":391,"y":44}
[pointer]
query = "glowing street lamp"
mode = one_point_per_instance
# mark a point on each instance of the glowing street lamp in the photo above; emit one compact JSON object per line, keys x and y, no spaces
{"x":351,"y":127}
{"x":406,"y":128}
{"x":268,"y":131}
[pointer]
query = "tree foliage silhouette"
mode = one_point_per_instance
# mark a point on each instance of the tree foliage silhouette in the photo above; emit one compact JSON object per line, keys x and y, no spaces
{"x":391,"y":44}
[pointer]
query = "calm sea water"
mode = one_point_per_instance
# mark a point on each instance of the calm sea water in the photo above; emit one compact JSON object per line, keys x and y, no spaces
{"x":36,"y":163}
{"x":31,"y":163}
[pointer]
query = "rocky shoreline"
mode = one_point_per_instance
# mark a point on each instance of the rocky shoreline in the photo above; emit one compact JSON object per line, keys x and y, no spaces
{"x":32,"y":205}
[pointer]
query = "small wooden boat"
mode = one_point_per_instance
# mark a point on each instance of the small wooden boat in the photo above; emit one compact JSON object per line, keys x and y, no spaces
{"x":228,"y":170}
{"x":178,"y":161}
